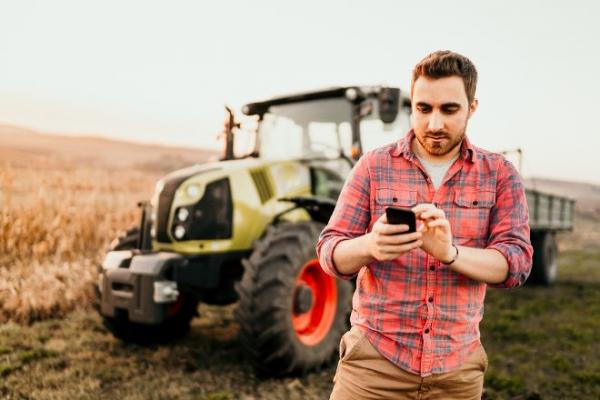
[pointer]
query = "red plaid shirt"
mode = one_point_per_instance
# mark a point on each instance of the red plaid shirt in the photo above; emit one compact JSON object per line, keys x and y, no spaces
{"x":416,"y":311}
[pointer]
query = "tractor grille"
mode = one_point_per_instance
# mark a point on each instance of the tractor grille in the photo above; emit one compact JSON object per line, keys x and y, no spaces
{"x":212,"y":216}
{"x":263,"y":184}
{"x":165,"y":199}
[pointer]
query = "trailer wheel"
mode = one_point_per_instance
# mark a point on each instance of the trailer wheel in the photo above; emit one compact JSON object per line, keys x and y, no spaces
{"x":545,"y":265}
{"x":291,"y":314}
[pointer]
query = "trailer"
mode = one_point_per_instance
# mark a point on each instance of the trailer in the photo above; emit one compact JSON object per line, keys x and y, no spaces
{"x":548,"y":214}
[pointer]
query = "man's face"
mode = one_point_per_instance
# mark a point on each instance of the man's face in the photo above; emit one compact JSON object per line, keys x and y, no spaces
{"x":440,"y":111}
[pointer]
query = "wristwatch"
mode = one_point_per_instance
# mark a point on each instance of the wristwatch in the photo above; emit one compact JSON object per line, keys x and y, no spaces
{"x":453,"y":258}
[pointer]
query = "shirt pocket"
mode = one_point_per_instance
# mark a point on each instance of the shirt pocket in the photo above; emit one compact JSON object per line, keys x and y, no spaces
{"x":391,"y":197}
{"x":386,"y":197}
{"x":471,"y":215}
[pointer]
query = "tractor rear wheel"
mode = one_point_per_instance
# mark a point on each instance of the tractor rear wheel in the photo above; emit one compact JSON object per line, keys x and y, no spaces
{"x":291,"y":314}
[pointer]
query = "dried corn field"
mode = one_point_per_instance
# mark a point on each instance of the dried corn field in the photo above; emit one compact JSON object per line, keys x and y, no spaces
{"x":54,"y":226}
{"x":58,"y":213}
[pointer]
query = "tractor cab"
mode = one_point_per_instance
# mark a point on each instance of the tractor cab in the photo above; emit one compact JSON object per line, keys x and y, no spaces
{"x":334,"y":123}
{"x":328,"y":129}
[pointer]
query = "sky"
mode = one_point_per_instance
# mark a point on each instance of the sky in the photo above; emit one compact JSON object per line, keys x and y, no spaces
{"x":161,"y":71}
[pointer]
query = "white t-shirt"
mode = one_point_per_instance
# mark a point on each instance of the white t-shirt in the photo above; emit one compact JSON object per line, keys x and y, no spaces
{"x":437,"y":171}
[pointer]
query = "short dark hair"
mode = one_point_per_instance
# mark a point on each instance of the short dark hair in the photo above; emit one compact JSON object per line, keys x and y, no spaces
{"x":444,"y":63}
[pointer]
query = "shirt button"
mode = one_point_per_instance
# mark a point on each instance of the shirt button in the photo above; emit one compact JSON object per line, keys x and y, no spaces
{"x":426,"y":331}
{"x":430,"y":299}
{"x":475,"y":202}
{"x":432,"y":267}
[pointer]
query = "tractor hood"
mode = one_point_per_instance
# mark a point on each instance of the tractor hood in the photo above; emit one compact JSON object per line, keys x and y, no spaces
{"x":206,"y":202}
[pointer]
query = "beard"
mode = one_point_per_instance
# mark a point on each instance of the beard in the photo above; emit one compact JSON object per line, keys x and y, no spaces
{"x":440,"y":143}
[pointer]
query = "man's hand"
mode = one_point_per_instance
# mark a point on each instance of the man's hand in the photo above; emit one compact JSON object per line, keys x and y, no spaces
{"x":387,"y":241}
{"x":436,"y":232}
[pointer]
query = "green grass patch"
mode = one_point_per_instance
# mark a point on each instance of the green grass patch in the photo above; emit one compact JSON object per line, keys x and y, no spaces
{"x":220,"y":395}
{"x":544,"y":340}
{"x":35,"y":355}
{"x":7,"y":369}
{"x":541,"y":341}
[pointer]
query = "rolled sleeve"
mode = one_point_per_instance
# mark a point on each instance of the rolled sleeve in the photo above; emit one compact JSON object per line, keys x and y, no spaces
{"x":509,"y":227}
{"x":349,"y":219}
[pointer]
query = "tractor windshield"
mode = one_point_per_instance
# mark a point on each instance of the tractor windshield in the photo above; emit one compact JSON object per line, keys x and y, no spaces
{"x":374,"y":133}
{"x":322,"y":129}
{"x":311,"y":129}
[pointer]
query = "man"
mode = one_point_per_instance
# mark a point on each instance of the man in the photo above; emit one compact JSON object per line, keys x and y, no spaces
{"x":419,"y":296}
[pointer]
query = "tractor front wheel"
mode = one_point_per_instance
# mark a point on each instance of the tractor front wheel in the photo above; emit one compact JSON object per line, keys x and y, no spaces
{"x":175,"y":326}
{"x":291,"y":314}
{"x":178,"y":315}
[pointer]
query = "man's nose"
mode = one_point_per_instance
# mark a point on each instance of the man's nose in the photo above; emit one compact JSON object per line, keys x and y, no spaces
{"x":435,"y":122}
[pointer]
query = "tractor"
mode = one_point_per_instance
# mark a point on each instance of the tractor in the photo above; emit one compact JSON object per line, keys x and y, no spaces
{"x":244,"y":229}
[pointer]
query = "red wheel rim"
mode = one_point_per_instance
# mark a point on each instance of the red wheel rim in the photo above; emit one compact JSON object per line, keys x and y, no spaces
{"x":313,"y":325}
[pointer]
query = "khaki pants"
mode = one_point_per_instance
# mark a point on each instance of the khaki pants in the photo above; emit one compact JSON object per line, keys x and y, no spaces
{"x":363,"y":373}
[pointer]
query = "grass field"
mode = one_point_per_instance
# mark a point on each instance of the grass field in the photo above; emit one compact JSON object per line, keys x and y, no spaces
{"x":62,"y":201}
{"x":542,"y":344}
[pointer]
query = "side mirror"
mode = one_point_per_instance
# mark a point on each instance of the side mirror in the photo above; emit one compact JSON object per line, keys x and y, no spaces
{"x":389,"y":102}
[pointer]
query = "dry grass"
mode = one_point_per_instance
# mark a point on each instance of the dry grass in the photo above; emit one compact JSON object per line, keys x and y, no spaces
{"x":55,"y":223}
{"x":62,"y":200}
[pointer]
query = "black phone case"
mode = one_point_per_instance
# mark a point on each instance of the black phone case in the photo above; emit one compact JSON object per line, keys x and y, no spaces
{"x":397,"y":215}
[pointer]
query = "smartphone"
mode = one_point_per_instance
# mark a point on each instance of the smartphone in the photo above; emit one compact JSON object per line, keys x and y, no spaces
{"x":396,"y":215}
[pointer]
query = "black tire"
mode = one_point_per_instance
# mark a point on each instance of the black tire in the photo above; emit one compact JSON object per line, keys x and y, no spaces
{"x":268,"y":296}
{"x":126,"y":240}
{"x":545,"y":266}
{"x":174,"y":327}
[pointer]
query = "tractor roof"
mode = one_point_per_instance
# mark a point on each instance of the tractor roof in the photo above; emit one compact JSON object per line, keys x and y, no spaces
{"x":335,"y":92}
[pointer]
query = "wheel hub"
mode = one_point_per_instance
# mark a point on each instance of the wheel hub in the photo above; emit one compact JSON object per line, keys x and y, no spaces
{"x":303,"y":300}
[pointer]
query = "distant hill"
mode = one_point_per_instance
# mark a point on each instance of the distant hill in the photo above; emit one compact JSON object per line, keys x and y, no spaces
{"x":20,"y":147}
{"x":586,"y":232}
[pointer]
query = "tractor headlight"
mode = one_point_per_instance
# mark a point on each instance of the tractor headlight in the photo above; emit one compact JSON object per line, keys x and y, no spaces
{"x":183,"y":214}
{"x":179,"y":232}
{"x":194,"y":191}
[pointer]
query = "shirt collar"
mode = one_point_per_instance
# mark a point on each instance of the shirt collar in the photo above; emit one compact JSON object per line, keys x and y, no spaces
{"x":404,"y":148}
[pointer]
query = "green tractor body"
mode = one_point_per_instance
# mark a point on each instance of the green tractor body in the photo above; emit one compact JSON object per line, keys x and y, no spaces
{"x":245,"y":228}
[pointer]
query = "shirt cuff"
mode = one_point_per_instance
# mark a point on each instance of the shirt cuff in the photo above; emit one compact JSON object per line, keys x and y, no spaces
{"x":326,"y":259}
{"x":517,"y":274}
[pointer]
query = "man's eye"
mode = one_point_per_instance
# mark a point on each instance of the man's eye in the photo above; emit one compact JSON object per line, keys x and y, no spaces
{"x":424,"y":109}
{"x":449,"y":110}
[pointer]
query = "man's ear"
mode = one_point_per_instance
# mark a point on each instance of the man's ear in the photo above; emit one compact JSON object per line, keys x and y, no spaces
{"x":473,"y":107}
